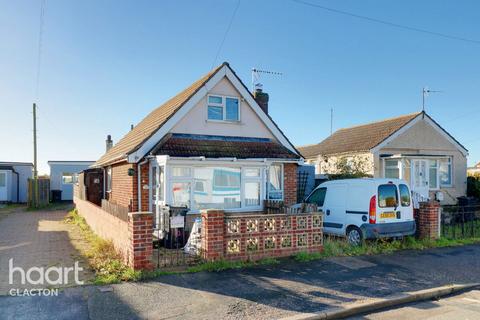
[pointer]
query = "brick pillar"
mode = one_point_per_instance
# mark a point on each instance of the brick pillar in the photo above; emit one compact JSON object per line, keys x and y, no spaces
{"x":213,"y":230}
{"x":140,"y":230}
{"x":428,"y":220}
{"x":290,"y":183}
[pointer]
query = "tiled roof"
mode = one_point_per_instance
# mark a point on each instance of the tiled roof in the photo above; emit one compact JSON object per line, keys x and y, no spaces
{"x":358,"y":138}
{"x":187,"y":145}
{"x":152,"y":122}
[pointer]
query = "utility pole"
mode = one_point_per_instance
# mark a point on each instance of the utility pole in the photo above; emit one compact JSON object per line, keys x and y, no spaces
{"x":331,"y":121}
{"x":35,"y":168}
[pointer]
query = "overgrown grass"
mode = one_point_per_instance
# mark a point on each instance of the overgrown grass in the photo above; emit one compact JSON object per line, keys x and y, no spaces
{"x":335,"y":247}
{"x":52,"y":206}
{"x":102,"y":256}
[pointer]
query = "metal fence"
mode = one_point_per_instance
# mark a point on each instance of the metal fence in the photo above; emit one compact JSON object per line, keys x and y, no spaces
{"x":460,"y":221}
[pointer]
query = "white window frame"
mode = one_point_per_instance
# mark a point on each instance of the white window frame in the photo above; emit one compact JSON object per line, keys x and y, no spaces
{"x":108,"y":174}
{"x":282,"y":181}
{"x":190,"y":179}
{"x":450,"y":163}
{"x":399,"y":167}
{"x":223,"y":105}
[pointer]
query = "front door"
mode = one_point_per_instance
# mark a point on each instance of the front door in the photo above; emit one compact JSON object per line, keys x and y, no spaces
{"x":420,"y":177}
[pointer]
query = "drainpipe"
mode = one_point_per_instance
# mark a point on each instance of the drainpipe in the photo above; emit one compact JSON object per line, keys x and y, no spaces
{"x":18,"y":183}
{"x":139,"y":176}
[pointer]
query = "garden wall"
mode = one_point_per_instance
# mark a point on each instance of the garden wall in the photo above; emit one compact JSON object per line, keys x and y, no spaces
{"x":258,"y":236}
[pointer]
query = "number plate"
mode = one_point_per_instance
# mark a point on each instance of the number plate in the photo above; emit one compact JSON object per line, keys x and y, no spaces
{"x":384,"y":215}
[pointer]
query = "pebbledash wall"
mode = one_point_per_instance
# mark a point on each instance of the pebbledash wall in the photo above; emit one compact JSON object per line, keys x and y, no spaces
{"x":131,"y":238}
{"x":257,"y":236}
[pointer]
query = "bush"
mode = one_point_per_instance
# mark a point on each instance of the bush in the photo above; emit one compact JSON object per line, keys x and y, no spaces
{"x":473,"y":186}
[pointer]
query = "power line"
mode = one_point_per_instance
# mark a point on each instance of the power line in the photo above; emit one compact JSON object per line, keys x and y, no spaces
{"x":388,"y":23}
{"x":226,"y":33}
{"x":40,"y":36}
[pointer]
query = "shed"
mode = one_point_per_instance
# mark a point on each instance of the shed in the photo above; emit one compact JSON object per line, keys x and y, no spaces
{"x":63,"y":174}
{"x":14,"y":181}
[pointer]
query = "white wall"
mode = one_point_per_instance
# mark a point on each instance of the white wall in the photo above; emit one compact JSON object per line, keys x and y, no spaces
{"x":56,"y":172}
{"x":195,"y":121}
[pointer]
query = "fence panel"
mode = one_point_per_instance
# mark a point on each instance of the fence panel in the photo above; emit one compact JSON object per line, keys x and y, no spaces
{"x":43,"y":192}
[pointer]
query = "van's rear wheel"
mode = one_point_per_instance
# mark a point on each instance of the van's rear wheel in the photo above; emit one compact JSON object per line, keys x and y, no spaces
{"x":354,"y":236}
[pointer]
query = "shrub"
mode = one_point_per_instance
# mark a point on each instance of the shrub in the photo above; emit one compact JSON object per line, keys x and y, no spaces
{"x":473,"y":186}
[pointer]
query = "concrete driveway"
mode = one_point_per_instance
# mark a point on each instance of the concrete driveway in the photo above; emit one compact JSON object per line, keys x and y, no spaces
{"x":38,"y":239}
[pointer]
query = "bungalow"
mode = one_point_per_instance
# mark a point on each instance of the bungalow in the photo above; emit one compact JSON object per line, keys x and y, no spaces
{"x":63,"y":175}
{"x":412,"y":147}
{"x":213,"y":145}
{"x":14,"y":181}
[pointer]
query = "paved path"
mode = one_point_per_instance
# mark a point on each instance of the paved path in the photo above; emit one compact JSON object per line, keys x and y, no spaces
{"x":38,"y":239}
{"x":465,"y":306}
{"x":259,"y":293}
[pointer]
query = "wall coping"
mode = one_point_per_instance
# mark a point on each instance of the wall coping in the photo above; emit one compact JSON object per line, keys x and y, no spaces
{"x":259,"y":214}
{"x":146,"y":213}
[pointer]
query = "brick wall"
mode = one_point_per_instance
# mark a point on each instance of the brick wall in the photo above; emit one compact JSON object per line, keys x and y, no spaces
{"x":124,"y":189}
{"x":257,"y":236}
{"x":132,"y":239}
{"x":427,"y":220}
{"x":290,"y":183}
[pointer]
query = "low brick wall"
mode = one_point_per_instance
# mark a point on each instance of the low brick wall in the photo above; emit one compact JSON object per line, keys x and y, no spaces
{"x":427,"y":218}
{"x":132,"y":238}
{"x":257,"y":236}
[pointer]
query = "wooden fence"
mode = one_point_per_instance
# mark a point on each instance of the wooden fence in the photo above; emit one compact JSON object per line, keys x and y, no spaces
{"x":115,"y":209}
{"x":43,"y":192}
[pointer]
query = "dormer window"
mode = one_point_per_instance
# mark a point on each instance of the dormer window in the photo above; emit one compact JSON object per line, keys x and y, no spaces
{"x":222,"y":108}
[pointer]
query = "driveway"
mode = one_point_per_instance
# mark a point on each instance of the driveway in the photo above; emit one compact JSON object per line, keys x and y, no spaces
{"x":38,"y":239}
{"x":268,"y":292}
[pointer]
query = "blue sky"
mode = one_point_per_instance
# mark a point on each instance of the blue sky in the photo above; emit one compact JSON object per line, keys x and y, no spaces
{"x":106,"y":64}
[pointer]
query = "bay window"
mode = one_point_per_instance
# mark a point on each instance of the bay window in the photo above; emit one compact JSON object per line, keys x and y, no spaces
{"x":392,"y":169}
{"x":445,"y":172}
{"x":216,"y":187}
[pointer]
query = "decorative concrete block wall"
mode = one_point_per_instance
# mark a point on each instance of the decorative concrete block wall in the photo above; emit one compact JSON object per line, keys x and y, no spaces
{"x":257,"y":236}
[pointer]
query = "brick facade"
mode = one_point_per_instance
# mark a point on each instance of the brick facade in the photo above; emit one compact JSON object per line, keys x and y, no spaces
{"x":124,"y":189}
{"x":290,"y":183}
{"x":132,"y":239}
{"x":427,"y":220}
{"x":257,"y":236}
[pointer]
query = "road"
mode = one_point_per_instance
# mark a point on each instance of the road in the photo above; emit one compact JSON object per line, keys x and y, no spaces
{"x":267,"y":292}
{"x":464,"y":306}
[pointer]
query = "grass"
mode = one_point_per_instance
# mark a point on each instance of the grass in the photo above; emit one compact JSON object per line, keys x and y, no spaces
{"x":335,"y":247}
{"x":52,"y":206}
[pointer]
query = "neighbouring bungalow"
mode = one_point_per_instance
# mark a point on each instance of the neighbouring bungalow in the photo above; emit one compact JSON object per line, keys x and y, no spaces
{"x":14,"y":181}
{"x":213,"y":145}
{"x":412,"y":147}
{"x":474,"y":171}
{"x":63,"y":175}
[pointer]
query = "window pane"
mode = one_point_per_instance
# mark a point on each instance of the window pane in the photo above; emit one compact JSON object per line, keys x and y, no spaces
{"x":404,"y":195}
{"x":181,"y":172}
{"x":252,"y":194}
{"x":217,"y":188}
{"x":252,"y":172}
{"x":3,"y":179}
{"x":445,"y":172}
{"x":433,"y":183}
{"x":387,"y":196}
{"x":215,"y":99}
{"x":232,"y":109}
{"x":155,"y":183}
{"x":392,"y":173}
{"x":215,"y":113}
{"x":275,"y":183}
{"x":161,"y":182}
{"x":67,"y":178}
{"x":318,"y":197}
{"x":181,"y":194}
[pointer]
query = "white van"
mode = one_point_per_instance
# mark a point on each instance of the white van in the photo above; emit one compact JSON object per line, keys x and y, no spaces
{"x":365,"y":208}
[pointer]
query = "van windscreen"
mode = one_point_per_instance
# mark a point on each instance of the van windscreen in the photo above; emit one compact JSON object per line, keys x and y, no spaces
{"x":317,"y":197}
{"x":387,"y":196}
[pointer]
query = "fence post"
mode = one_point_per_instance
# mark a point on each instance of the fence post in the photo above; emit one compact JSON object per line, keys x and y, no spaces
{"x":213,"y":231}
{"x":140,"y":229}
{"x":428,"y":221}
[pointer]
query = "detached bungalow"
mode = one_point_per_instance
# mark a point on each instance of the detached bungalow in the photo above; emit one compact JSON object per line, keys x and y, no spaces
{"x":213,"y":145}
{"x":412,"y":147}
{"x":14,"y":181}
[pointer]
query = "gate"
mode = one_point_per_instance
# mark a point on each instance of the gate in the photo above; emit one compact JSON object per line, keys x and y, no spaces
{"x":175,"y":243}
{"x":459,"y":222}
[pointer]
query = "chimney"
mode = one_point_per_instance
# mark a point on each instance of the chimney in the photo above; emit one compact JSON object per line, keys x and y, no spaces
{"x":109,"y":142}
{"x":131,"y":127}
{"x":261,"y":97}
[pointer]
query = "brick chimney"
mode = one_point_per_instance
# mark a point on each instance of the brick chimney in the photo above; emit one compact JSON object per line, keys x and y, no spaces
{"x":261,"y":97}
{"x":109,"y":143}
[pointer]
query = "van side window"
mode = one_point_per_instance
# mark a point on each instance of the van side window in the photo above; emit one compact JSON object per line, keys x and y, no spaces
{"x":387,"y":196}
{"x":317,"y":196}
{"x":404,"y":195}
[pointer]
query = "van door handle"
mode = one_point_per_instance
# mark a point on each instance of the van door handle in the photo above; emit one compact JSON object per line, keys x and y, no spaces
{"x":328,"y":212}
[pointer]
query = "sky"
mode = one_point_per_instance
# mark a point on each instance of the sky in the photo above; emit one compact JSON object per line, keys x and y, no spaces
{"x":106,"y":64}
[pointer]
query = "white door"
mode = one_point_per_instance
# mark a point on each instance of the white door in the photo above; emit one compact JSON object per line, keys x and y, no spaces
{"x":3,"y":186}
{"x":420,"y":177}
{"x":158,"y":196}
{"x":334,"y":209}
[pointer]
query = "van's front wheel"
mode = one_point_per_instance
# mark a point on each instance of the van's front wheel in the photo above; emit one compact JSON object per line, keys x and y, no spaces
{"x":354,"y":236}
